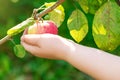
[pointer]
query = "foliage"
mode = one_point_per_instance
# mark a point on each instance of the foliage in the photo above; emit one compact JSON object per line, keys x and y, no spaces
{"x":106,"y":26}
{"x":77,"y":25}
{"x":57,"y":15}
{"x":96,"y":24}
{"x":19,"y":51}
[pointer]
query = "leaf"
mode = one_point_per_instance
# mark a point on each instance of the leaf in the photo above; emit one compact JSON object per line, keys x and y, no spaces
{"x":57,"y":15}
{"x":84,"y":5}
{"x":91,"y":6}
{"x":20,"y":27}
{"x":106,"y":26}
{"x":19,"y":51}
{"x":78,"y":25}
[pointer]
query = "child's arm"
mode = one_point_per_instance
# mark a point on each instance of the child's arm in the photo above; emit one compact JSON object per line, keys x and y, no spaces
{"x":98,"y":64}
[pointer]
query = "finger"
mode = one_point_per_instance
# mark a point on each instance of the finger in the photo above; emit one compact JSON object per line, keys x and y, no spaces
{"x":30,"y":48}
{"x":36,"y":39}
{"x":31,"y":39}
{"x":34,"y":50}
{"x":25,"y":31}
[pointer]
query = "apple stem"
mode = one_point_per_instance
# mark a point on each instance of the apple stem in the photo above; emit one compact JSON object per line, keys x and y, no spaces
{"x":37,"y":21}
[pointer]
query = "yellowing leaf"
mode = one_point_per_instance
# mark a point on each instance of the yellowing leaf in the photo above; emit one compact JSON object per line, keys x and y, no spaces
{"x":106,"y":26}
{"x":84,"y":5}
{"x":57,"y":15}
{"x":20,"y":27}
{"x":91,"y":6}
{"x":78,"y":25}
{"x":101,"y":30}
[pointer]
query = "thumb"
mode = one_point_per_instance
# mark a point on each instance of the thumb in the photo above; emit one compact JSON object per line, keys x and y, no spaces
{"x":31,"y":39}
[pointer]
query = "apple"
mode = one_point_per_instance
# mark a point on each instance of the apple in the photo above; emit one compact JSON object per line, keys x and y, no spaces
{"x":42,"y":27}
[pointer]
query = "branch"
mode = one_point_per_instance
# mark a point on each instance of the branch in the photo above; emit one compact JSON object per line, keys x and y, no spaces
{"x":3,"y":40}
{"x":49,"y":9}
{"x":6,"y":38}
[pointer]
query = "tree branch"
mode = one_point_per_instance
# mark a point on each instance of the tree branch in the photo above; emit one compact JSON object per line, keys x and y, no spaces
{"x":6,"y":38}
{"x":49,"y":9}
{"x":3,"y":40}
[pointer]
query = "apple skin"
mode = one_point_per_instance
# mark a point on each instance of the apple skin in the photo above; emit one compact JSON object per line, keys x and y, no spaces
{"x":42,"y":27}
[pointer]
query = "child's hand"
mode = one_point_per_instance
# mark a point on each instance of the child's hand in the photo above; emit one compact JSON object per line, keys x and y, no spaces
{"x":89,"y":60}
{"x":47,"y":45}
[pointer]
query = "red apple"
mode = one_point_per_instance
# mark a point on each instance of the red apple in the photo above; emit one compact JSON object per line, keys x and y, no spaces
{"x":42,"y":27}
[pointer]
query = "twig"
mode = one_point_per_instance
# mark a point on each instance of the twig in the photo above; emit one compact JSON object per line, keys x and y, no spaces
{"x":49,"y":9}
{"x":3,"y":40}
{"x":6,"y":38}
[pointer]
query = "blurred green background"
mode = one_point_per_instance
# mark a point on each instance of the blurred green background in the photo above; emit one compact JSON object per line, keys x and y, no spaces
{"x":30,"y":67}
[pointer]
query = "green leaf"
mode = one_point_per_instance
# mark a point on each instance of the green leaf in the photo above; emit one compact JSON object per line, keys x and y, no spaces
{"x":57,"y":15}
{"x":78,"y":25}
{"x":19,"y":51}
{"x":91,"y":6}
{"x":106,"y":26}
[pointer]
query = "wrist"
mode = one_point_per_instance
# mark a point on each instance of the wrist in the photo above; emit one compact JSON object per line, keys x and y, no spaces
{"x":70,"y":51}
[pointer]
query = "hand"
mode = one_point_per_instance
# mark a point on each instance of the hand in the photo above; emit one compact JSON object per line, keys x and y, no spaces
{"x":47,"y":45}
{"x":89,"y":60}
